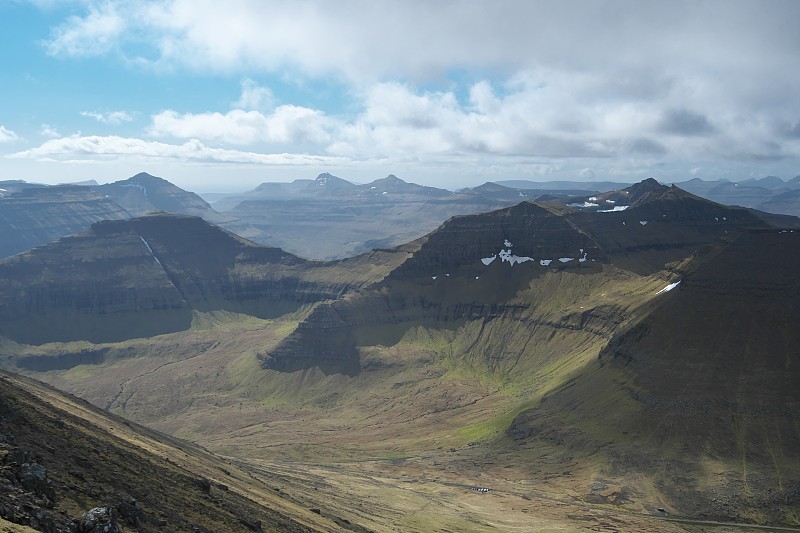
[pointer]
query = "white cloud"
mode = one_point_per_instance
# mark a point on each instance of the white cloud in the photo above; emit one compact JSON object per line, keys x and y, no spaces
{"x":533,"y":114}
{"x":631,"y":84}
{"x":287,"y":124}
{"x":113,"y":148}
{"x":46,"y":130}
{"x":254,"y":96}
{"x":6,"y":135}
{"x":419,"y":39}
{"x":92,"y":35}
{"x":111,"y":117}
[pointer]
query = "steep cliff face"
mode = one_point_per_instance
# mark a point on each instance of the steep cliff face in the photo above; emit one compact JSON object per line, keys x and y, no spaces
{"x":126,"y":279}
{"x":34,"y":216}
{"x":505,"y":269}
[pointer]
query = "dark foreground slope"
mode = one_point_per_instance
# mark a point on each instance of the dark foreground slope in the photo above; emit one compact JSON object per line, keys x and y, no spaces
{"x":67,"y":466}
{"x":143,"y":277}
{"x":702,"y":394}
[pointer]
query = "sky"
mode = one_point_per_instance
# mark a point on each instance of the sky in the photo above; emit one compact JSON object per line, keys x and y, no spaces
{"x":222,"y":96}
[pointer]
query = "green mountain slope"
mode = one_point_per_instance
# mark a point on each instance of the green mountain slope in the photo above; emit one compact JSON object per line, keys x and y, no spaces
{"x":701,"y":395}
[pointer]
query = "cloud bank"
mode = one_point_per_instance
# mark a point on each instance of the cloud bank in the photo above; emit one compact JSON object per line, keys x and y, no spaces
{"x":611,"y":86}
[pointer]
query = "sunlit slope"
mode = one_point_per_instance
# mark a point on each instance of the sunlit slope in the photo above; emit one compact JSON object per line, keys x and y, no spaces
{"x":701,"y":396}
{"x":500,"y":267}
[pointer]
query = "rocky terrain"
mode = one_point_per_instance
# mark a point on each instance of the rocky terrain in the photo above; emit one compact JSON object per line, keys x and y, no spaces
{"x":67,"y":466}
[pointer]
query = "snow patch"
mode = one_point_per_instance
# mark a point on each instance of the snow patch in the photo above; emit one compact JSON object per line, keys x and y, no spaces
{"x":507,"y":243}
{"x":136,"y":186}
{"x":592,"y":198}
{"x":434,"y":277}
{"x":584,"y":204}
{"x":545,"y":262}
{"x":611,"y":201}
{"x":566,"y":259}
{"x":583,"y":256}
{"x":669,"y":287}
{"x":384,"y":192}
{"x":643,"y":222}
{"x":488,"y":260}
{"x":613,"y":209}
{"x":505,"y":255}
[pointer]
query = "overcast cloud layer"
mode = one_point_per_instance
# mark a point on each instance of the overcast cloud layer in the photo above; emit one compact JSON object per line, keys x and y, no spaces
{"x":450,"y":93}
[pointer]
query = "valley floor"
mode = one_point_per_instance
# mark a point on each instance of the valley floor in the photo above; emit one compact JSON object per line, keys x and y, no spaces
{"x":409,"y":449}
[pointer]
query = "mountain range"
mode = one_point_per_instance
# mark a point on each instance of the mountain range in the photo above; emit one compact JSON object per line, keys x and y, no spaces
{"x":323,"y":218}
{"x":606,"y":360}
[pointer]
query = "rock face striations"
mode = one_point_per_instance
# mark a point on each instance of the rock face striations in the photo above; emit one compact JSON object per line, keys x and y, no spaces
{"x":143,"y":277}
{"x":487,"y":267}
{"x":33,"y":216}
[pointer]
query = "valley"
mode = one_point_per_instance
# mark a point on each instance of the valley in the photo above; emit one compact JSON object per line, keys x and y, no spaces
{"x":595,"y":370}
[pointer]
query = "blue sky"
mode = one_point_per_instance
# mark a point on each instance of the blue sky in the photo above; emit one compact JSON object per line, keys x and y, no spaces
{"x":226,"y":95}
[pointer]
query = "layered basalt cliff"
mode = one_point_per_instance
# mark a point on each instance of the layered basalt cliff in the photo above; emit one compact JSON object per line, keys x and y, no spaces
{"x":38,"y":215}
{"x":125,"y":279}
{"x":493,"y":267}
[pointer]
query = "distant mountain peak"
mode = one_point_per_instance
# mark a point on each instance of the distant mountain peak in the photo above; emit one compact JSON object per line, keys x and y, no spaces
{"x":329,"y":181}
{"x":144,"y":176}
